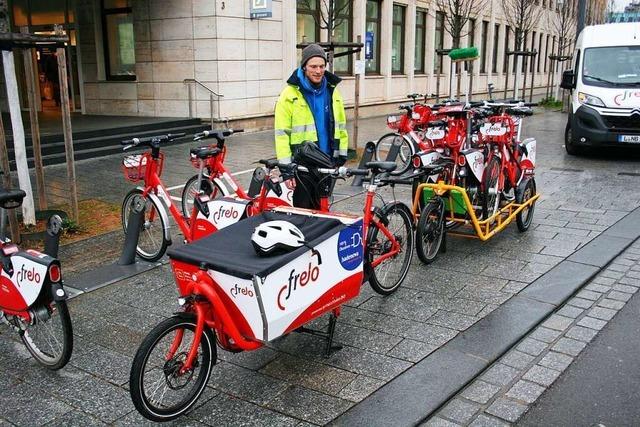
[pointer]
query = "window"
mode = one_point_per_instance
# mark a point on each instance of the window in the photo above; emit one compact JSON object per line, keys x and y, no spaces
{"x":397,"y":40}
{"x":439,"y":41}
{"x":496,"y":38}
{"x":343,"y":33}
{"x":483,"y":47}
{"x":373,"y":27}
{"x":421,"y":23}
{"x":471,"y":38}
{"x":505,"y":66}
{"x":539,"y":52}
{"x":307,"y":13}
{"x":117,"y":35}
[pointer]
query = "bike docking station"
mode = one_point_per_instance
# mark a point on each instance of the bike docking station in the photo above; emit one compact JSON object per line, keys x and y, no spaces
{"x":127,"y":266}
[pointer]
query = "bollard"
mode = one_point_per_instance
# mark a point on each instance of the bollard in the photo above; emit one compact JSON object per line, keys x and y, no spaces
{"x":52,"y":236}
{"x":394,"y":150}
{"x":133,"y":232}
{"x":367,"y":155}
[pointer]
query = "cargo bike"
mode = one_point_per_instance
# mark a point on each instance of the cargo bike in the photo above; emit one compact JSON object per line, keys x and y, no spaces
{"x":231,"y":295}
{"x":499,"y":172}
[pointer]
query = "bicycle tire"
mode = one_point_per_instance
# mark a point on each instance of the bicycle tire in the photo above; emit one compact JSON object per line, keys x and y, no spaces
{"x":430,"y":232}
{"x":53,"y":359}
{"x":375,"y":247}
{"x":168,"y":371}
{"x":152,"y":243}
{"x":210,"y":188}
{"x":524,"y":217}
{"x":490,"y":182}
{"x":405,"y":153}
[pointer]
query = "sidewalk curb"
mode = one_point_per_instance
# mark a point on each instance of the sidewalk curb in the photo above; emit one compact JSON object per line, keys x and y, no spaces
{"x":418,"y":392}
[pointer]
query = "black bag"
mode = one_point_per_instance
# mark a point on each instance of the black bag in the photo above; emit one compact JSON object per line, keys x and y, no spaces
{"x":310,"y":186}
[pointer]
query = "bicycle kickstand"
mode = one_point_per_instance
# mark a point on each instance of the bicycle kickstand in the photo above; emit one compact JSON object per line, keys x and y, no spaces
{"x":330,"y":331}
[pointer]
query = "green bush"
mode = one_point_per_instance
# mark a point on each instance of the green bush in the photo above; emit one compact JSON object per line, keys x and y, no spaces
{"x":550,"y":102}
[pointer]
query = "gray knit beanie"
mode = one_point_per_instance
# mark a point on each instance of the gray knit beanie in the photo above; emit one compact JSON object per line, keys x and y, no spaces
{"x":311,"y":51}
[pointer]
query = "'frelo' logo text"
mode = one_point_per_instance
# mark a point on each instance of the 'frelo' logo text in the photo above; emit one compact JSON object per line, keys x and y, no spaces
{"x":225,"y":213}
{"x":28,"y":275}
{"x":308,"y":276}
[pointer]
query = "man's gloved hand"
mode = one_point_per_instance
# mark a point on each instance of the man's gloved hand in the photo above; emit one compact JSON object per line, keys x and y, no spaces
{"x":340,"y":160}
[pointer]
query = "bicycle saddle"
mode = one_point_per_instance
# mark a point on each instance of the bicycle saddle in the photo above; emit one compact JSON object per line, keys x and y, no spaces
{"x":437,"y":123}
{"x":204,"y":152}
{"x":381,"y":166}
{"x":10,"y":199}
{"x":269,"y":163}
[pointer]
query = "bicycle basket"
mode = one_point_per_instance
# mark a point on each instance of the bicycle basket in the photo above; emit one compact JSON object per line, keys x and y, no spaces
{"x":134,"y":166}
{"x":393,"y":122}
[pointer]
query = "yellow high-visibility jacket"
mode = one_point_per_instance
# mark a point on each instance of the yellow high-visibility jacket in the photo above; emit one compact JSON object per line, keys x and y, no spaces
{"x":294,"y":123}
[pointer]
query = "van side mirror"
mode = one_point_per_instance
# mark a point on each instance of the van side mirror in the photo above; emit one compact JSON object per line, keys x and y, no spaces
{"x":568,"y":80}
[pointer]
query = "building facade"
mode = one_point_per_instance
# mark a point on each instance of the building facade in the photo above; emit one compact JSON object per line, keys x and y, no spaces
{"x":208,"y":58}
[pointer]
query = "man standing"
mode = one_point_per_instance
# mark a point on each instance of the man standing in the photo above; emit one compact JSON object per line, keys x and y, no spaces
{"x":311,"y":108}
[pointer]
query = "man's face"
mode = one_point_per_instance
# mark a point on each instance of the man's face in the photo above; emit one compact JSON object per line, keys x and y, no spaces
{"x":314,"y":70}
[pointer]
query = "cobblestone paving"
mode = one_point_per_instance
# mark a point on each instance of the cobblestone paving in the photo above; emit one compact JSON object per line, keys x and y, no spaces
{"x":291,"y":382}
{"x":506,"y":390}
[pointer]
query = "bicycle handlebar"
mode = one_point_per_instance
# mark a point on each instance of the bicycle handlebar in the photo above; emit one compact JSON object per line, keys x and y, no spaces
{"x":133,"y":142}
{"x":219,"y":135}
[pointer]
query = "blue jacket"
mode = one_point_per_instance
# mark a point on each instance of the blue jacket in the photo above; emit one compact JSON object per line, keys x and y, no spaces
{"x":319,"y":100}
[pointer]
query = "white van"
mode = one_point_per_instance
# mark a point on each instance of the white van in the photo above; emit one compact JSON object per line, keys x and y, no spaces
{"x":605,"y":88}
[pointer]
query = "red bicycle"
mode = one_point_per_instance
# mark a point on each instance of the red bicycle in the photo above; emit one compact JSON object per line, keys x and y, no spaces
{"x":211,"y":213}
{"x":33,"y":300}
{"x":243,"y":301}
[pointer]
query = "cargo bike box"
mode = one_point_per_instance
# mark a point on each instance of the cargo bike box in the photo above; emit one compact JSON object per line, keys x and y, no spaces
{"x":267,"y":297}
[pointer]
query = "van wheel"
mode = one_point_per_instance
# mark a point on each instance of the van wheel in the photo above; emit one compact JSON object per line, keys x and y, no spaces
{"x":569,"y":145}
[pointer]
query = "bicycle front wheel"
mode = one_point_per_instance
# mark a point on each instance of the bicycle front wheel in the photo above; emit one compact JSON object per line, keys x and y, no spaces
{"x":390,"y":143}
{"x":159,"y":388}
{"x":387,"y":276}
{"x":430,"y":232}
{"x":191,"y":190}
{"x":151,"y":243}
{"x":490,"y":190}
{"x":49,"y":336}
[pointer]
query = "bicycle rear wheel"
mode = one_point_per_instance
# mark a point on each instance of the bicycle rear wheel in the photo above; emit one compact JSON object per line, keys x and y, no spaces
{"x":49,"y":337}
{"x":152,"y":242}
{"x":190,"y":191}
{"x":386,"y":277}
{"x":160,"y":392}
{"x":404,"y":154}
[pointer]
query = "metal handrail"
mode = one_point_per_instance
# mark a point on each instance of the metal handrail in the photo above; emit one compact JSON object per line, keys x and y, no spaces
{"x":211,"y":95}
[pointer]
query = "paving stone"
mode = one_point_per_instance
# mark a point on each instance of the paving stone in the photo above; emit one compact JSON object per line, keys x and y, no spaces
{"x":611,"y":303}
{"x":134,"y":419}
{"x":597,"y":288}
{"x":480,"y":391}
{"x":486,"y":421}
{"x":253,"y":360}
{"x":22,"y":396}
{"x":460,"y":411}
{"x":603,"y":281}
{"x":431,"y":334}
{"x":612,"y":274}
{"x":412,"y":351}
{"x":367,"y":363}
{"x":525,"y":391}
{"x":581,"y":333}
{"x":590,"y":322}
{"x":559,"y":323}
{"x":630,"y":282}
{"x":557,"y":361}
{"x":569,"y":346}
{"x":376,"y":342}
{"x":541,"y":375}
{"x":249,"y":385}
{"x":545,"y":334}
{"x":590,"y":295}
{"x":456,"y":321}
{"x":439,"y":422}
{"x":621,"y":268}
{"x":507,"y":409}
{"x":361,"y":387}
{"x":625,"y":288}
{"x":531,"y":346}
{"x":517,"y":359}
{"x":602,"y":313}
{"x":104,"y":363}
{"x":226,"y":410}
{"x":309,"y":405}
{"x":570,"y":311}
{"x":580,"y":302}
{"x":500,"y":374}
{"x":619,"y":296}
{"x":75,"y":419}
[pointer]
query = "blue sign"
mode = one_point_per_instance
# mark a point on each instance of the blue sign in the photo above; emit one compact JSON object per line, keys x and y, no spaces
{"x":350,"y":246}
{"x":368,"y":45}
{"x":260,"y":9}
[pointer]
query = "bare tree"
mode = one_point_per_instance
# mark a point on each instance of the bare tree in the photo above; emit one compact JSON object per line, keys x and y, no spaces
{"x":522,"y":16}
{"x":457,"y":14}
{"x":331,"y":14}
{"x":563,"y":26}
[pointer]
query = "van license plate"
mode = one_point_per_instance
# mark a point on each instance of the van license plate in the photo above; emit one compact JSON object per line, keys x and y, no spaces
{"x":634,"y":139}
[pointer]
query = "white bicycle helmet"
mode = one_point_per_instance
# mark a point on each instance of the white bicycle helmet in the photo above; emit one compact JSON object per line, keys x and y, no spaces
{"x":273,"y":237}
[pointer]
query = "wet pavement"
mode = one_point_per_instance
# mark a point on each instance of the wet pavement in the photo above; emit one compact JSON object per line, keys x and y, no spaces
{"x":291,"y":382}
